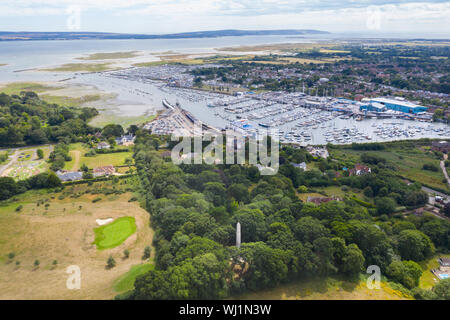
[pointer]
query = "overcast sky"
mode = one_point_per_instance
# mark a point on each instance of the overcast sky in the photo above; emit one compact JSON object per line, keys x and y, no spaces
{"x":168,"y":16}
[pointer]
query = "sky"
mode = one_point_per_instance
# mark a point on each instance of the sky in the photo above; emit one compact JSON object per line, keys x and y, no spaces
{"x":170,"y":16}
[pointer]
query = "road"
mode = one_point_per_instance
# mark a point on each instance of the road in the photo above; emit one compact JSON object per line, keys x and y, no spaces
{"x":12,"y":159}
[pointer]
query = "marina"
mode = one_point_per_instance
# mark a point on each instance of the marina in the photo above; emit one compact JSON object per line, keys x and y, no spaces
{"x":296,"y":117}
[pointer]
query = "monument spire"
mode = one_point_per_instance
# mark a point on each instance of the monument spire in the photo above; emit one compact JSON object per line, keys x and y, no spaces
{"x":238,"y":235}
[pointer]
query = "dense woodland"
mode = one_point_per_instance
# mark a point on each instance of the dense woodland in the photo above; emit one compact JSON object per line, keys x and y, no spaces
{"x":194,"y":210}
{"x":27,"y":120}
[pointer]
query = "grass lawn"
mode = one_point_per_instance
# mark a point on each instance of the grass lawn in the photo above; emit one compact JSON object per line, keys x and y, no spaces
{"x":326,"y":289}
{"x":78,"y":150}
{"x":115,"y":233}
{"x":126,"y":282}
{"x":338,"y":192}
{"x":115,"y":159}
{"x":304,"y":196}
{"x":331,"y":191}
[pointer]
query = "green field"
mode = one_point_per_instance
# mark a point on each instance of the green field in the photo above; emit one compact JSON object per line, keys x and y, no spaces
{"x":407,"y":161}
{"x":115,"y":233}
{"x":78,"y":150}
{"x":126,"y":282}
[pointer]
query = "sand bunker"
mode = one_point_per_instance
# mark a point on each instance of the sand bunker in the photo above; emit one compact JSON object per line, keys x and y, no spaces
{"x":102,"y":222}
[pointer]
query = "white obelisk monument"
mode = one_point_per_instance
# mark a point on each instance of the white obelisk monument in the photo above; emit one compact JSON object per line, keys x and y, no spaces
{"x":238,"y":235}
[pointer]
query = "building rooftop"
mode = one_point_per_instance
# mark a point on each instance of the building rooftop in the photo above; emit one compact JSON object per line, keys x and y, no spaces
{"x":395,"y":101}
{"x":69,"y":176}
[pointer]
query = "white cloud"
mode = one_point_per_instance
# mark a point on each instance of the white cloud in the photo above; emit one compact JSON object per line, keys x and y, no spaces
{"x":188,"y":15}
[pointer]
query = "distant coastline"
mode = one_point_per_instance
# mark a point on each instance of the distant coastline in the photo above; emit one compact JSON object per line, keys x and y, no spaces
{"x":30,"y":36}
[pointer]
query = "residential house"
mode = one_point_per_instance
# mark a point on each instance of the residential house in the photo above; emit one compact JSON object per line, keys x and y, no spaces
{"x":444,"y":268}
{"x":318,"y":152}
{"x":126,"y":140}
{"x":104,"y":171}
{"x":445,"y":263}
{"x":299,"y":165}
{"x":442,"y":146}
{"x":359,"y":170}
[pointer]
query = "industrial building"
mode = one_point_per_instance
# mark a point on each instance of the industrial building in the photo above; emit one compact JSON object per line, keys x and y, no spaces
{"x":375,"y":106}
{"x":398,"y":104}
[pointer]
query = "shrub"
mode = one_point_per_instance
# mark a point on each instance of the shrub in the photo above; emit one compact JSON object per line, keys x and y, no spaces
{"x":40,"y":153}
{"x":430,"y":167}
{"x":147,"y":252}
{"x":111,"y":263}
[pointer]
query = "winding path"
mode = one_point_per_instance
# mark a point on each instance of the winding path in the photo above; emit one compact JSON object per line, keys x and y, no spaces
{"x":12,"y":159}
